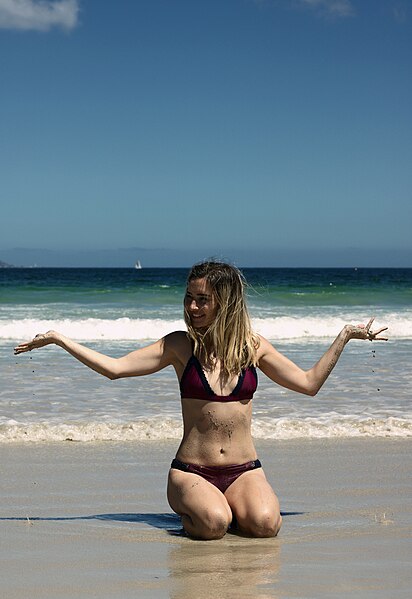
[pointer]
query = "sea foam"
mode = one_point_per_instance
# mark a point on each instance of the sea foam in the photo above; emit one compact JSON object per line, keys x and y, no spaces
{"x":281,"y":327}
{"x":156,"y":429}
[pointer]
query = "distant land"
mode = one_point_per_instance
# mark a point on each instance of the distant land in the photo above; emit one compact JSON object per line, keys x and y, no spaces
{"x":164,"y":257}
{"x":5,"y":265}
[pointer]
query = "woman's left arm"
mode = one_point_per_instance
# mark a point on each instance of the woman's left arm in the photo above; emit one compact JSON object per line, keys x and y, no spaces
{"x":286,"y":373}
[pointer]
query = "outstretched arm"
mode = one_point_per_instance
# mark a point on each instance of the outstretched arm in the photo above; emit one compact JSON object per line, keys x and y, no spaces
{"x":286,"y":373}
{"x":137,"y":363}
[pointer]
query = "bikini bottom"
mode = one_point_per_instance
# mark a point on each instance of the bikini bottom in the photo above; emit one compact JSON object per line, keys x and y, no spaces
{"x":219,"y":476}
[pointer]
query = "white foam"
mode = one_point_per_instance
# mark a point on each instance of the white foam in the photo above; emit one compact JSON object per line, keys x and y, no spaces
{"x":313,"y":327}
{"x":92,"y":328}
{"x":155,"y":429}
{"x":282,"y":327}
{"x":143,"y":430}
{"x":328,"y":427}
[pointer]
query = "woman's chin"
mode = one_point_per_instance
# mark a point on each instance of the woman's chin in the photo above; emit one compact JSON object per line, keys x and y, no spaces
{"x":199,"y":323}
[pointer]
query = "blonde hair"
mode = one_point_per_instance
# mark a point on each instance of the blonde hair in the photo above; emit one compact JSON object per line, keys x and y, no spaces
{"x":229,"y":338}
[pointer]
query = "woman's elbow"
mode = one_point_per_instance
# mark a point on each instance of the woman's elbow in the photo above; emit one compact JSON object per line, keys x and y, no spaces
{"x":112,"y":374}
{"x":311,"y":388}
{"x":113,"y":371}
{"x":305,"y":390}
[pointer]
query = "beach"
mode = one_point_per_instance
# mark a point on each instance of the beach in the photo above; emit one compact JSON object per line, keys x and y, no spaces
{"x":84,"y":460}
{"x":91,"y":520}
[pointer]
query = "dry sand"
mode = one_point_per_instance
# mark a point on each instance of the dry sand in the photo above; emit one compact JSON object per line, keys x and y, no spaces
{"x":91,"y":520}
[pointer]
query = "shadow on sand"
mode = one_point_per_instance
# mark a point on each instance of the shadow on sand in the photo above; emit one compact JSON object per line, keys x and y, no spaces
{"x":166,"y":521}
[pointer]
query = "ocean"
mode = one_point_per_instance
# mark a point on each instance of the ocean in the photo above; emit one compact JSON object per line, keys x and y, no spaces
{"x":46,"y":395}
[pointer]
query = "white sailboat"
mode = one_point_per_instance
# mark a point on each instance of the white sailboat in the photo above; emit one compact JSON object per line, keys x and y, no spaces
{"x":138,"y":265}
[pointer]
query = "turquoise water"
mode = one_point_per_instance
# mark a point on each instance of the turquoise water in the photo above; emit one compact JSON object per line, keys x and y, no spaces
{"x":46,"y":395}
{"x":271,"y":286}
{"x":284,"y":302}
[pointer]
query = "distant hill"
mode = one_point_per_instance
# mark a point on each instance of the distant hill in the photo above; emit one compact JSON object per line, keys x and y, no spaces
{"x":5,"y":265}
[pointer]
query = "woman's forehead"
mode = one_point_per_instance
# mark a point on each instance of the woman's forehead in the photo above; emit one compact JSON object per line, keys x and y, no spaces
{"x":200,"y":287}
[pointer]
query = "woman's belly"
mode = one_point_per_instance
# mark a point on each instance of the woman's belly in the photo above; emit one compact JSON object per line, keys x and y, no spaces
{"x":216,"y":434}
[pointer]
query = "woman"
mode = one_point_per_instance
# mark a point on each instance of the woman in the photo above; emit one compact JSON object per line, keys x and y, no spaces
{"x":216,"y":478}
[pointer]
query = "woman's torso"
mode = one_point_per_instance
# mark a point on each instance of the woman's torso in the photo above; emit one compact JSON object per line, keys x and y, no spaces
{"x":215,"y":433}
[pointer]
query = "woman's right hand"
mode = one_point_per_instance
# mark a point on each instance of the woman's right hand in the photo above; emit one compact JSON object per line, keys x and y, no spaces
{"x":38,"y":341}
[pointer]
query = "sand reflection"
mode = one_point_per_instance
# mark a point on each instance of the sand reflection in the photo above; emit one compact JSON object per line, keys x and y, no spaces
{"x":234,"y":566}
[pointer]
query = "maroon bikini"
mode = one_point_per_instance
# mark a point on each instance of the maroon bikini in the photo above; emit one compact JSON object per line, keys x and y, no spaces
{"x":194,"y":385}
{"x":219,"y":476}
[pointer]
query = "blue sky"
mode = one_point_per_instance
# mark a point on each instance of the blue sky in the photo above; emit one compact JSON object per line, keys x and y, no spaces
{"x":207,"y":126}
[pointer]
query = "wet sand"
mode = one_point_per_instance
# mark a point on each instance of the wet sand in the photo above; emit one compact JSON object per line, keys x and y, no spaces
{"x":91,"y":520}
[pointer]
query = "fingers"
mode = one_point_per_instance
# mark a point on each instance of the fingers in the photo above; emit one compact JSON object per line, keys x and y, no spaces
{"x":364,"y":332}
{"x":381,"y":330}
{"x":21,"y":348}
{"x":29,"y":345}
{"x":376,"y":338}
{"x":373,"y":336}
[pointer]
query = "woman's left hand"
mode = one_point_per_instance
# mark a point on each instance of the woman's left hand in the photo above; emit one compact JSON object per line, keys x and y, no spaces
{"x":362,"y":331}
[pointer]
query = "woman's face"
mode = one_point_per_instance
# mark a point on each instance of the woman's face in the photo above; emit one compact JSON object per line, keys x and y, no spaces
{"x":200,"y":303}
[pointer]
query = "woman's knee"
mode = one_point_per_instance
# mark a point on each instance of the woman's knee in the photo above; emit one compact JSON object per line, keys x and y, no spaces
{"x":204,"y":510}
{"x":264,"y":524}
{"x":212,"y":524}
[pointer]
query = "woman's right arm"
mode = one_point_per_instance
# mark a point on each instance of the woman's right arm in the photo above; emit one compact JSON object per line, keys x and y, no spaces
{"x":142,"y":361}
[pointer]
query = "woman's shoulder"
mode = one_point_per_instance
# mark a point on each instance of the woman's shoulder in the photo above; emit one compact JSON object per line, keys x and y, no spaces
{"x":178,"y":341}
{"x":179,"y":346}
{"x":177,"y":337}
{"x":264,"y":347}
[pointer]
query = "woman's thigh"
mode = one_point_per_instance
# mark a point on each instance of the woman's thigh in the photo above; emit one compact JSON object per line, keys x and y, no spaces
{"x":204,"y":509}
{"x":254,"y":504}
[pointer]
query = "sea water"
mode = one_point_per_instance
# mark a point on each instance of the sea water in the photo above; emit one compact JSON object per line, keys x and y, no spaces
{"x":46,"y":395}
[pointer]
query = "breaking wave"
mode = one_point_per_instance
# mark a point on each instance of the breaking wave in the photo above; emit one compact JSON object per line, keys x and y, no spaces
{"x":281,"y":327}
{"x":154,"y":429}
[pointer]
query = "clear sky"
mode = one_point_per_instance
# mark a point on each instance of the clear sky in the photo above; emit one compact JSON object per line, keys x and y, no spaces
{"x":207,"y":125}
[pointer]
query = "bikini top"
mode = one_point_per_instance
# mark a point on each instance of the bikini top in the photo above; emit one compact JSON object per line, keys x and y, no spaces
{"x":194,"y":384}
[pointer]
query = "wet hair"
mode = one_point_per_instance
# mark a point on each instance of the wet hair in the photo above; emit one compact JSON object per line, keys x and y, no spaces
{"x":229,"y":338}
